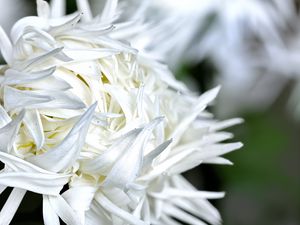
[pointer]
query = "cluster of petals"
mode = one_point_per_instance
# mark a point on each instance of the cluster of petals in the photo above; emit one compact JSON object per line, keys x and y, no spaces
{"x":101,"y":131}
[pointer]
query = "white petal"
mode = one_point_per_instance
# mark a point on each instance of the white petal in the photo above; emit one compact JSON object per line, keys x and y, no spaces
{"x":203,"y":101}
{"x":89,"y":54}
{"x":66,"y":153}
{"x":218,"y":160}
{"x":5,"y":47}
{"x":167,"y":164}
{"x":37,"y":33}
{"x":9,"y":131}
{"x":18,"y":164}
{"x":142,"y":211}
{"x":169,"y":193}
{"x":113,"y":209}
{"x":109,"y":10}
{"x":49,"y":215}
{"x":58,"y":8}
{"x":13,"y":77}
{"x":4,"y":117}
{"x":9,"y":209}
{"x":109,"y":42}
{"x":103,"y":163}
{"x":66,"y":26}
{"x":165,"y":74}
{"x":29,"y":176}
{"x":85,"y":68}
{"x":198,"y":156}
{"x":33,"y":123}
{"x":167,"y":220}
{"x":218,"y":149}
{"x":226,"y":123}
{"x":18,"y":28}
{"x":199,"y":207}
{"x":16,"y":99}
{"x":49,"y":83}
{"x":128,"y":166}
{"x":215,"y":138}
{"x":182,"y":215}
{"x":64,"y":210}
{"x":60,"y":100}
{"x":148,"y":159}
{"x":181,"y":128}
{"x":84,"y":7}
{"x":36,"y":61}
{"x":2,"y":188}
{"x":124,"y":99}
{"x":79,"y":197}
{"x":43,"y":9}
{"x":49,"y":184}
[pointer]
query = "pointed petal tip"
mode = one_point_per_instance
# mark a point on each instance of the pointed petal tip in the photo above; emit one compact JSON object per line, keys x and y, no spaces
{"x":59,"y":49}
{"x":169,"y":141}
{"x":22,"y":113}
{"x":239,"y":120}
{"x":52,"y":69}
{"x":215,"y":91}
{"x":159,"y":119}
{"x":90,"y":111}
{"x":94,"y":105}
{"x":239,"y":145}
{"x":223,"y":193}
{"x":154,"y":122}
{"x":242,"y":120}
{"x":218,"y":87}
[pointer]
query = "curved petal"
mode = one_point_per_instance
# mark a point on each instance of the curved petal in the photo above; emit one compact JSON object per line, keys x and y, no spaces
{"x":16,"y":99}
{"x":4,"y":117}
{"x":84,"y":7}
{"x":103,"y":163}
{"x":33,"y":123}
{"x":43,"y":9}
{"x":48,"y":184}
{"x":127,"y":168}
{"x":64,"y":210}
{"x":65,"y":154}
{"x":9,"y":131}
{"x":5,"y":47}
{"x":13,"y":77}
{"x":80,"y":197}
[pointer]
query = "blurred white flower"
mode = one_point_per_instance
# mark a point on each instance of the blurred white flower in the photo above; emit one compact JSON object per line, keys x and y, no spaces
{"x":84,"y":111}
{"x":14,"y":10}
{"x":253,"y":44}
{"x":249,"y":33}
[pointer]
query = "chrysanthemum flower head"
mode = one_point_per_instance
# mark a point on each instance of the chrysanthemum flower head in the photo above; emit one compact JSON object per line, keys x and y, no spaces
{"x":88,"y":113}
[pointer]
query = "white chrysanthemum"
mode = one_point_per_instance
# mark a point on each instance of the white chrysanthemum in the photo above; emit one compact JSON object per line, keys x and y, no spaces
{"x":82,"y":110}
